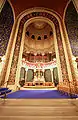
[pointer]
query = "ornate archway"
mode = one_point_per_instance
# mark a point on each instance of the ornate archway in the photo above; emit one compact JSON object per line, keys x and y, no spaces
{"x":12,"y":66}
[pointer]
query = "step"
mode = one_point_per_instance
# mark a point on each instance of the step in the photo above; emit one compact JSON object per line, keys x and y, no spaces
{"x":39,"y":117}
{"x":39,"y":102}
{"x":38,"y":111}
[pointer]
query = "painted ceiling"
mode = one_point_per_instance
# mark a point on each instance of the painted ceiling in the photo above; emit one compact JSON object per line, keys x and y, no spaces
{"x":56,"y":5}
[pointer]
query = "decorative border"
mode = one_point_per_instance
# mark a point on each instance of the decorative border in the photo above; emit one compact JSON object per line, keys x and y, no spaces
{"x":11,"y":80}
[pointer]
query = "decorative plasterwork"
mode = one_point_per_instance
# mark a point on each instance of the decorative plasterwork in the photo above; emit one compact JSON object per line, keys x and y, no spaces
{"x":52,"y":18}
{"x":33,"y":50}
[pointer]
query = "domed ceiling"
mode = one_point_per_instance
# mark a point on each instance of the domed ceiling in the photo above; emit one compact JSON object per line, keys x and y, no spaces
{"x":56,"y":5}
{"x":39,"y":38}
{"x":39,"y":34}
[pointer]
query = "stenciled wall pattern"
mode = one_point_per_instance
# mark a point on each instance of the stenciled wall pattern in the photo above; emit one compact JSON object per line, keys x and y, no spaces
{"x":71,"y":22}
{"x":6,"y":23}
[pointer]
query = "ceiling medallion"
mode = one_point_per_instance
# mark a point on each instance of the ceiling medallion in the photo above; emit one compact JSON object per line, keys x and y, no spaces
{"x":39,"y":24}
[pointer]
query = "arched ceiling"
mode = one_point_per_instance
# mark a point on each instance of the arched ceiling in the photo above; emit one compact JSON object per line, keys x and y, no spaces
{"x":56,"y":5}
{"x":39,"y":38}
{"x":39,"y":29}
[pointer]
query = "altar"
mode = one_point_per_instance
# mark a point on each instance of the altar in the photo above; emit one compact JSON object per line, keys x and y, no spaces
{"x":38,"y":81}
{"x":39,"y":73}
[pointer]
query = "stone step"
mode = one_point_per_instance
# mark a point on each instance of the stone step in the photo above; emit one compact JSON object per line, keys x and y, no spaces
{"x":38,"y":102}
{"x":38,"y":117}
{"x":38,"y":111}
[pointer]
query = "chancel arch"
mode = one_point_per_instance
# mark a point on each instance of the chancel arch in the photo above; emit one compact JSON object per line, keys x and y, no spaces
{"x":14,"y":63}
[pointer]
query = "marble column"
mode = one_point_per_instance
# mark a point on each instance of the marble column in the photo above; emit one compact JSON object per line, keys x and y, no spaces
{"x":43,"y":79}
{"x":34,"y":58}
{"x":43,"y":57}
